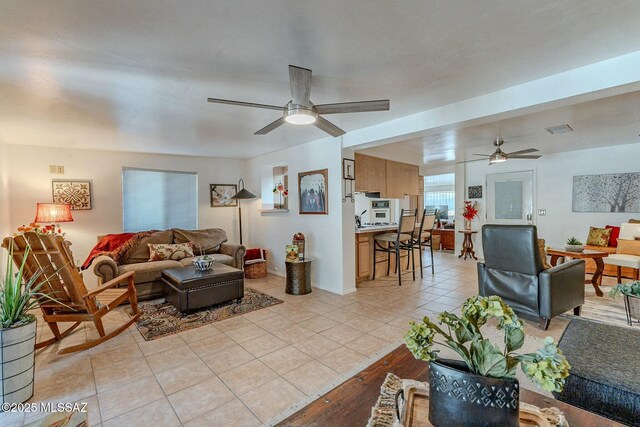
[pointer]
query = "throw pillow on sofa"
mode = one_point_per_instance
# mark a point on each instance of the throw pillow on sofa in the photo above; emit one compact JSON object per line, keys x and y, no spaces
{"x":174,"y":251}
{"x":615,"y":233}
{"x":598,"y":236}
{"x":628,"y":247}
{"x":140,"y":253}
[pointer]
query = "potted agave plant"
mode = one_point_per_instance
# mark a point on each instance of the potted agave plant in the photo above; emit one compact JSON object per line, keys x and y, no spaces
{"x":483,"y":386}
{"x":631,"y":292}
{"x":574,"y":245}
{"x":18,"y":330}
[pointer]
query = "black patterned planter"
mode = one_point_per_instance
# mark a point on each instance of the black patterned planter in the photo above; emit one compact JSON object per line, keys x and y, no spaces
{"x":459,"y":398}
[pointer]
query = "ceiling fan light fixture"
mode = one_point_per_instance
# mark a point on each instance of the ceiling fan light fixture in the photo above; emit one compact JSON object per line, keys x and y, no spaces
{"x":300,"y":116}
{"x":497,"y":157}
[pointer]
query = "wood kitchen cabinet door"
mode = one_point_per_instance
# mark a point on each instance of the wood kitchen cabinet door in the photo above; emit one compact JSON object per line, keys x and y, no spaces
{"x":364,"y":255}
{"x":371,"y":174}
{"x":402,"y":179}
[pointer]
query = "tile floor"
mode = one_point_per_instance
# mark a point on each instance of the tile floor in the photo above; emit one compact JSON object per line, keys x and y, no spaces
{"x":246,"y":370}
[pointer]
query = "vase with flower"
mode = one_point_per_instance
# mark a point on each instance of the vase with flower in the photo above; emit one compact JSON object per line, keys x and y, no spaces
{"x":469,"y":212}
{"x":481,"y":389}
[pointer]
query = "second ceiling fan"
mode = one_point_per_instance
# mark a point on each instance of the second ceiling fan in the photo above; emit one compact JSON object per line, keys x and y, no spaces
{"x":301,"y":111}
{"x":500,"y":156}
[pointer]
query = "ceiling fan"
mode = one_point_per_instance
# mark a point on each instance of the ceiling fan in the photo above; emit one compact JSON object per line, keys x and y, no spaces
{"x":301,"y":111}
{"x":500,"y":156}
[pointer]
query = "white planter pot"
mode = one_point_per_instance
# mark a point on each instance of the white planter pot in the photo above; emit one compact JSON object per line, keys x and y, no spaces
{"x":574,"y":248}
{"x":17,"y":360}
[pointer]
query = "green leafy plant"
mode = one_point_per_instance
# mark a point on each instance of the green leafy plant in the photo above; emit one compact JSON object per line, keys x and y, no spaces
{"x":630,"y":289}
{"x":574,"y":241}
{"x":547,"y":367}
{"x":18,"y":296}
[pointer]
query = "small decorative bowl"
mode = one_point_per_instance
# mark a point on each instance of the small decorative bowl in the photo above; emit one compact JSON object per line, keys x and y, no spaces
{"x":203,"y":264}
{"x":574,"y":248}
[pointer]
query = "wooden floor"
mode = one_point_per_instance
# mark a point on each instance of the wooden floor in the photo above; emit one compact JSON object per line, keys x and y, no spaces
{"x":350,"y":403}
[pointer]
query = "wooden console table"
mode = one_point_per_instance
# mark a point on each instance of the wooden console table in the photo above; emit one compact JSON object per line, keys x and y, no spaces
{"x":350,"y":403}
{"x":467,"y":245}
{"x":596,"y":256}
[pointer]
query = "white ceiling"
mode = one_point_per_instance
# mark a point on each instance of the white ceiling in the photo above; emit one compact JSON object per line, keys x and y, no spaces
{"x":135,"y":75}
{"x":604,"y":122}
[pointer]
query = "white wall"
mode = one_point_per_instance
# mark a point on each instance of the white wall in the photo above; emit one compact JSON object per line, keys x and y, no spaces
{"x":553,"y":182}
{"x":30,"y":182}
{"x":334,"y":258}
{"x":5,"y":224}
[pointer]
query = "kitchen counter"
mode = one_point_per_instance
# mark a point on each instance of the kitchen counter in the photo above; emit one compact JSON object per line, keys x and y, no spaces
{"x":375,"y":228}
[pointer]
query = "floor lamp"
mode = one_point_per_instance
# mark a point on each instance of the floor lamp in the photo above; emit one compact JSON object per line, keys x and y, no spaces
{"x":242,"y":194}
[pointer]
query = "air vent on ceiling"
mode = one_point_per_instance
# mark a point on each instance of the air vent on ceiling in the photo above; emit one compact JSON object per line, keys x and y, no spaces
{"x":553,"y":130}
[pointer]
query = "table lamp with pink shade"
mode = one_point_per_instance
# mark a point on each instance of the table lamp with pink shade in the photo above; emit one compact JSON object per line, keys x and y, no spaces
{"x":53,"y":213}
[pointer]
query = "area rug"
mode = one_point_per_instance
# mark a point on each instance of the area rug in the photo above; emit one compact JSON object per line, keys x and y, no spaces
{"x":161,"y":318}
{"x":605,"y":309}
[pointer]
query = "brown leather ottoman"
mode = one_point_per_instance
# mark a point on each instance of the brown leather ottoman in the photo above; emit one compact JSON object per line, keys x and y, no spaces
{"x":189,"y":289}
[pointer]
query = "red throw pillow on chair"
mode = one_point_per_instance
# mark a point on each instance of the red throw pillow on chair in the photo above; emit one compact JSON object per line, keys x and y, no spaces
{"x":615,"y":233}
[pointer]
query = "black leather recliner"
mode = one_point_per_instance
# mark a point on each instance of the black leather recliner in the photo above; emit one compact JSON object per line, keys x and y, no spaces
{"x":513,"y":270}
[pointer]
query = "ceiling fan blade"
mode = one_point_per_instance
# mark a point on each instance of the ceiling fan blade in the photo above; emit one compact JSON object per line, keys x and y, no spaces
{"x":483,"y":155}
{"x":474,"y":160}
{"x":529,"y":150}
{"x":271,"y":126}
{"x":524,"y":157}
{"x":353,"y":107}
{"x":328,"y":127}
{"x":245,"y":104}
{"x":300,"y":81}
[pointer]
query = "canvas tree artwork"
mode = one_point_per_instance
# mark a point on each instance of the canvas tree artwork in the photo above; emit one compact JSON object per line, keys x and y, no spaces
{"x":615,"y":192}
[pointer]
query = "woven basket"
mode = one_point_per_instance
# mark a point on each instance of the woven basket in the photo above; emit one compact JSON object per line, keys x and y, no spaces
{"x":257,"y":270}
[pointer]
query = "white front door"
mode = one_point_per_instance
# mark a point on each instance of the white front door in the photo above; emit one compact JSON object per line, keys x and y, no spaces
{"x":510,"y":198}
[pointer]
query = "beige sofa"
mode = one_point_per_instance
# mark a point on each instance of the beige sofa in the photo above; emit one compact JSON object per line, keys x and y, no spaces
{"x":212,"y":241}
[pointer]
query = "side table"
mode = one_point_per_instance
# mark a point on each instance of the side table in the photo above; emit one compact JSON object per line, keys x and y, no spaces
{"x":298,"y":277}
{"x":467,"y":245}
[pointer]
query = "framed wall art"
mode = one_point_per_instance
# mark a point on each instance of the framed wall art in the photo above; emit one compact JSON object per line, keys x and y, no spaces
{"x":313,"y":192}
{"x":75,"y":193}
{"x":349,"y":169}
{"x":613,"y":192}
{"x":474,"y":192}
{"x":221,"y":195}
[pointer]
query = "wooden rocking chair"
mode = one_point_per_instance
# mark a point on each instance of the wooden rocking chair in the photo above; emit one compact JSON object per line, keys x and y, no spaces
{"x":52,"y":256}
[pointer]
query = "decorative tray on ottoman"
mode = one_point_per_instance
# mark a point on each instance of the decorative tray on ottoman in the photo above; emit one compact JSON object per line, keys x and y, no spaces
{"x":412,"y":409}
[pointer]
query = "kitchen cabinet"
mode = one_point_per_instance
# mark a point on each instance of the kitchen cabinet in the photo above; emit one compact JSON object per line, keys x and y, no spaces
{"x":371,"y":174}
{"x":391,"y":179}
{"x":365,"y":256}
{"x":402,"y":179}
{"x":364,"y":253}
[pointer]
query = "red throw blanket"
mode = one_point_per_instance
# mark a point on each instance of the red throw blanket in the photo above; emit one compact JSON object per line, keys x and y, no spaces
{"x":115,"y":246}
{"x":253,"y":256}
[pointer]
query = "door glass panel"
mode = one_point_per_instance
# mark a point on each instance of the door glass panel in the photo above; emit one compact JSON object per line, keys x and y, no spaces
{"x":508,"y":199}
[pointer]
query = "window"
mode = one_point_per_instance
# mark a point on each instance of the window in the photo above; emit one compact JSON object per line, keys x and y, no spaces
{"x":439,"y":190}
{"x":159,"y":200}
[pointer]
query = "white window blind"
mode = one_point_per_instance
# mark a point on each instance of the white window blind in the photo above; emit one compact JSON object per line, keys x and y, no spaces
{"x":159,"y":200}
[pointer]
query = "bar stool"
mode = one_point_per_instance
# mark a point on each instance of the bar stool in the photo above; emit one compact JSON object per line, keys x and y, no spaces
{"x":423,"y":238}
{"x":402,"y":240}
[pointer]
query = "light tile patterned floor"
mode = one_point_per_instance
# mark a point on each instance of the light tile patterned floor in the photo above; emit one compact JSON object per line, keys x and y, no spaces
{"x":246,"y":370}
